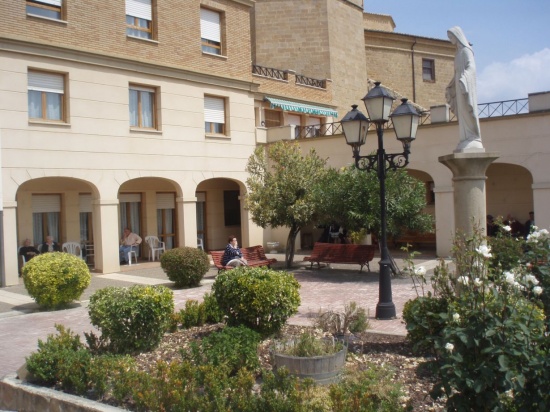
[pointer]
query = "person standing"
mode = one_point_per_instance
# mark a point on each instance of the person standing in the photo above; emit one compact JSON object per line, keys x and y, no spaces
{"x":128,"y":241}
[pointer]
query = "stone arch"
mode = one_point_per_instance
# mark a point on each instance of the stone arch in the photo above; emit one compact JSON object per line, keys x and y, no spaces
{"x":148,"y":205}
{"x":509,"y":191}
{"x":221,"y":212}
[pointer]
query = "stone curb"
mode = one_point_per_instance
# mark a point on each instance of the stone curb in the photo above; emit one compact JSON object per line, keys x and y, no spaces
{"x":20,"y":396}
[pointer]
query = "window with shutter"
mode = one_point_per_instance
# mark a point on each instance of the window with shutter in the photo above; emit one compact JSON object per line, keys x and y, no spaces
{"x":211,"y":31}
{"x":139,"y":18}
{"x":46,"y":95}
{"x":428,"y":70}
{"x":214,"y":115}
{"x":52,"y":9}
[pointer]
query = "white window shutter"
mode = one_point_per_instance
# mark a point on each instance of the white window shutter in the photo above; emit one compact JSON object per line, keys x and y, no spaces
{"x":140,"y":9}
{"x":129,"y":197}
{"x":214,"y":110}
{"x":45,"y":82}
{"x":210,"y":25}
{"x":85,"y":203}
{"x":46,"y":203}
{"x":166,"y":201}
{"x":51,"y":2}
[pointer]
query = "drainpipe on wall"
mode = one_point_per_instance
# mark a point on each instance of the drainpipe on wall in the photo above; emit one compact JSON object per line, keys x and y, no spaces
{"x":413,"y":77}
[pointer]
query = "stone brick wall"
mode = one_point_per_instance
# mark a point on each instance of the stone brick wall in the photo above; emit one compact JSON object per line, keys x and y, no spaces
{"x":390,"y":60}
{"x":380,"y":22}
{"x":99,"y":26}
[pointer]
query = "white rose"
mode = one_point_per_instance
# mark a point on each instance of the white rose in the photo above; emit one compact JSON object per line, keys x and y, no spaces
{"x":420,"y":270}
{"x":509,"y":277}
{"x":477,"y":282}
{"x":507,"y":228}
{"x":456,"y":317}
{"x":537,"y":290}
{"x":484,"y":250}
{"x":449,"y":347}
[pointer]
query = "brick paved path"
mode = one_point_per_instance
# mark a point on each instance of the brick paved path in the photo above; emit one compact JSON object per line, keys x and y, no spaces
{"x":22,"y":323}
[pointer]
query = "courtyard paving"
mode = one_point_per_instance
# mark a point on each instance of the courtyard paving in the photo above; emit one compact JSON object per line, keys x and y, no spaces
{"x":22,"y":322}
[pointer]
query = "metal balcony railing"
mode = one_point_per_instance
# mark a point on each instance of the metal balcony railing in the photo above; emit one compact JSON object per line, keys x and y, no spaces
{"x":270,"y":72}
{"x":308,"y":81}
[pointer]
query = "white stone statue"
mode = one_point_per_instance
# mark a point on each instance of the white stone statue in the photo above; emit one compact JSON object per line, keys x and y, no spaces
{"x":461,"y":93}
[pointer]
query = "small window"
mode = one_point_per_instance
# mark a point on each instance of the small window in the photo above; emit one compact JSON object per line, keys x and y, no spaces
{"x":272,"y":118}
{"x":46,"y":96}
{"x":428,"y":70}
{"x":51,"y":9}
{"x":211,"y":32}
{"x":142,"y":107}
{"x":214,"y":115}
{"x":139,"y":19}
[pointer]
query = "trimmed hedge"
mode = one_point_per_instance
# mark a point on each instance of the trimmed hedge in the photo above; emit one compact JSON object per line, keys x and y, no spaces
{"x":132,"y":319}
{"x":185,"y":266}
{"x":257,"y":297}
{"x":56,"y":279}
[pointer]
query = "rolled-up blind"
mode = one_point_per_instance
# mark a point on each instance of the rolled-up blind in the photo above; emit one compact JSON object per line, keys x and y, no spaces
{"x":166,"y":201}
{"x":45,"y":82}
{"x":210,"y":25}
{"x":139,"y":8}
{"x":50,"y":2}
{"x":46,"y":203}
{"x":129,"y":197}
{"x":214,"y":110}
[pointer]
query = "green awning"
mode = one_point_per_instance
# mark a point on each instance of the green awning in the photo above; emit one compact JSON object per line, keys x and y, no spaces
{"x":300,"y":107}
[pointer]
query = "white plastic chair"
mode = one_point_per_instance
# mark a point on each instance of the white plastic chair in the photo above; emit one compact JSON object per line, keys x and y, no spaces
{"x":130,"y":253}
{"x":22,"y":257}
{"x":156,"y":247}
{"x":200,"y":244}
{"x":74,"y":248}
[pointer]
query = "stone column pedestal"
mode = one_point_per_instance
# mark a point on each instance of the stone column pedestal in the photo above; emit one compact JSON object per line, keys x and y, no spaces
{"x":469,"y":188}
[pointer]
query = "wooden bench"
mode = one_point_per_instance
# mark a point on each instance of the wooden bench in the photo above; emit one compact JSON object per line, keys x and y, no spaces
{"x":341,"y":253}
{"x":415,"y":239}
{"x":254,"y":255}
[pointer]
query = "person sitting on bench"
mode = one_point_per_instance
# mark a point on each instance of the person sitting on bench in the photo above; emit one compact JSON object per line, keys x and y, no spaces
{"x":233,"y":255}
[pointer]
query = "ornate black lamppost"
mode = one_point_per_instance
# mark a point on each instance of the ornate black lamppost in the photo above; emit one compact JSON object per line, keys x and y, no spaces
{"x":355,"y":125}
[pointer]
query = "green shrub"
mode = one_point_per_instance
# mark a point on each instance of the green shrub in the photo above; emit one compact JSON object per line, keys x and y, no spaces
{"x":211,"y":309}
{"x":132,"y":319}
{"x":56,"y":279}
{"x":192,"y":315}
{"x":232,"y":347}
{"x":308,"y":345}
{"x":259,"y":298}
{"x":108,"y":372}
{"x":62,"y":360}
{"x":425,"y":317}
{"x":185,"y":266}
{"x":372,"y":389}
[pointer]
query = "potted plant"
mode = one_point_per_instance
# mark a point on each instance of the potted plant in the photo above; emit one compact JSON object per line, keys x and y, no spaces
{"x":342,"y":324}
{"x":309,"y":356}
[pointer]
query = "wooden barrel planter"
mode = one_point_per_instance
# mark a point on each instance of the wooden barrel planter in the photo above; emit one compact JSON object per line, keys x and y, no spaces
{"x":324,"y":369}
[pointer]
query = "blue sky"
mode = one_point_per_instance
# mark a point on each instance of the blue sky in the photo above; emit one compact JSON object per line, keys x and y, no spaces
{"x":511,"y":38}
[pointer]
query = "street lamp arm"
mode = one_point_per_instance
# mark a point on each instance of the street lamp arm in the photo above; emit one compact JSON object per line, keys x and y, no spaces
{"x":393,"y":161}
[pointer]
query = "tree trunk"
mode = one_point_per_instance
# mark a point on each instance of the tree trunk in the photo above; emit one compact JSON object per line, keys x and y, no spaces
{"x":290,"y":246}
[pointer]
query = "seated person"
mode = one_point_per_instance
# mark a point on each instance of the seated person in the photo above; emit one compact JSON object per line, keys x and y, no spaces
{"x":128,"y":241}
{"x":49,"y":246}
{"x":28,"y":251}
{"x":233,"y":255}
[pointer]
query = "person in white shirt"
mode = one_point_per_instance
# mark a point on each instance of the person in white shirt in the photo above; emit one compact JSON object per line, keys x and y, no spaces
{"x":128,"y":241}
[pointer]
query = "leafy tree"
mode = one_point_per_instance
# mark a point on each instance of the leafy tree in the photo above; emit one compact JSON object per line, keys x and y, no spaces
{"x":283,"y":189}
{"x":353,"y":196}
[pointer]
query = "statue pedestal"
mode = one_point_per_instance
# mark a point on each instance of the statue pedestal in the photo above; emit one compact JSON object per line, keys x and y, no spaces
{"x":469,"y":188}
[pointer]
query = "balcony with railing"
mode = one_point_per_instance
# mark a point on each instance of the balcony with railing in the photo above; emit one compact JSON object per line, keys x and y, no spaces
{"x":289,"y":76}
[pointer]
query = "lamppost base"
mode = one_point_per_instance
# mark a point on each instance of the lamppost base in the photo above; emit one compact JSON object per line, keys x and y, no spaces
{"x":385,"y":311}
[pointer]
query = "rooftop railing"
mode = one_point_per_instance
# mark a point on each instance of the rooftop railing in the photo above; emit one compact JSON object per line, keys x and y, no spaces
{"x":485,"y":110}
{"x":283,"y":75}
